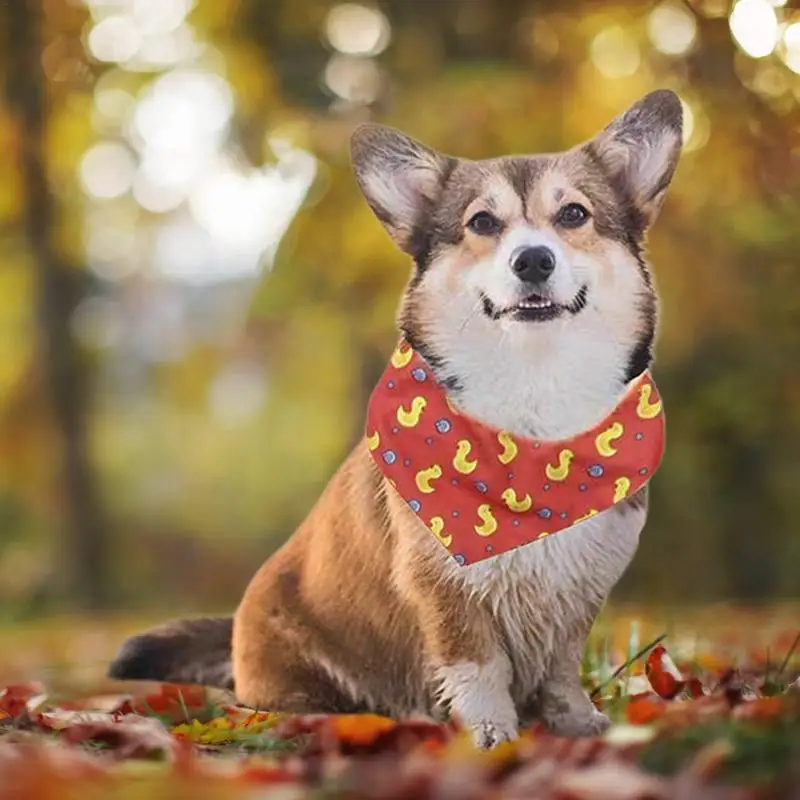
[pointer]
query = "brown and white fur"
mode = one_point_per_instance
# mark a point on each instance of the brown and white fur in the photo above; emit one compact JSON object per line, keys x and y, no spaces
{"x":362,"y":608}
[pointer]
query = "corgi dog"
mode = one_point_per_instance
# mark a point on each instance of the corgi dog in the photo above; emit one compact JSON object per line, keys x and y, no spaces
{"x":531,"y":302}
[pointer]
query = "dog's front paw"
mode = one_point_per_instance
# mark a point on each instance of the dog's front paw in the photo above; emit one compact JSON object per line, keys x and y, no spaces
{"x":578,"y":723}
{"x":487,"y":734}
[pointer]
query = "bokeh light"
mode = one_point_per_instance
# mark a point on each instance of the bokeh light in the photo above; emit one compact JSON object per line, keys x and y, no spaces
{"x":357,"y":80}
{"x":112,"y":106}
{"x":544,"y":41}
{"x":159,"y":16}
{"x":357,"y":30}
{"x":791,"y":47}
{"x":672,"y":28}
{"x":696,"y":126}
{"x":183,"y":109}
{"x":114,"y":39}
{"x":615,"y":53}
{"x":754,"y":25}
{"x":209,"y":217}
{"x":107,"y":169}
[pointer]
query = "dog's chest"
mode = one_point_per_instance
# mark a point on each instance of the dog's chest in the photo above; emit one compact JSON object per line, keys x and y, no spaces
{"x":545,"y":594}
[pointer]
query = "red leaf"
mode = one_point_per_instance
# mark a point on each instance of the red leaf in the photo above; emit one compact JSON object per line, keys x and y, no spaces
{"x":130,"y":737}
{"x":174,"y":702}
{"x":300,"y":725}
{"x":30,"y":771}
{"x":14,"y":698}
{"x":664,"y":677}
{"x":732,"y":686}
{"x":694,"y":688}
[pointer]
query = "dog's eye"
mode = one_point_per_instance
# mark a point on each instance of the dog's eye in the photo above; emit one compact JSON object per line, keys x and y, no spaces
{"x":572,"y":215}
{"x":484,"y":224}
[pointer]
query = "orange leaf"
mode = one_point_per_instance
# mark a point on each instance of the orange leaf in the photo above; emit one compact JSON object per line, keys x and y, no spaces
{"x":763,"y":708}
{"x":644,"y":708}
{"x":360,"y":729}
{"x":268,"y":774}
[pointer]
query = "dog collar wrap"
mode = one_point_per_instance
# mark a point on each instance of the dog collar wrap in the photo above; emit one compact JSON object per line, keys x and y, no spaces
{"x":481,"y":491}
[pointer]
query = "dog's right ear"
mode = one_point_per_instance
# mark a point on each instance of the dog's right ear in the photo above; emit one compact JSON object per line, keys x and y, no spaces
{"x":640,"y":149}
{"x":400,"y":178}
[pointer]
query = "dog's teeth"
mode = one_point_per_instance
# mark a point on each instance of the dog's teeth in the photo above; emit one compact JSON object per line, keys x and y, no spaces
{"x":535,"y":304}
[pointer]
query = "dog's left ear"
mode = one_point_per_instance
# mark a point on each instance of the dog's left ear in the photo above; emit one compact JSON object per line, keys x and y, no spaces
{"x":641,"y":147}
{"x":400,"y":178}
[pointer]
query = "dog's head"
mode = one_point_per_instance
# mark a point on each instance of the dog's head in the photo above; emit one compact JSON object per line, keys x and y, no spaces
{"x":528,"y":248}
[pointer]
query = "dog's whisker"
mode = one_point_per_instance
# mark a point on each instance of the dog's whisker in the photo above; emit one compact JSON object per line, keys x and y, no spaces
{"x":470,"y":315}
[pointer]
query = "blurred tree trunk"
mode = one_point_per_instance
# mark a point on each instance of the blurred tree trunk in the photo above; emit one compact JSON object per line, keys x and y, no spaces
{"x":85,"y":540}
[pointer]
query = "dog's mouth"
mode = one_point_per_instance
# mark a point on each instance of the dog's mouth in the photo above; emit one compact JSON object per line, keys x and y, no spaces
{"x":536,"y":307}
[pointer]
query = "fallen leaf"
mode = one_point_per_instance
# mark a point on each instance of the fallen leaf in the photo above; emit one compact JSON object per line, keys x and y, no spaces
{"x":610,"y":781}
{"x":360,"y":730}
{"x":762,"y":708}
{"x":664,"y":676}
{"x":131,"y":736}
{"x":644,"y":708}
{"x":173,"y":703}
{"x":14,"y":699}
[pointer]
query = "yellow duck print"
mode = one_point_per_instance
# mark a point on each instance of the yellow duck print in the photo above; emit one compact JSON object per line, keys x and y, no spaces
{"x":401,"y":357}
{"x":373,"y":442}
{"x":461,"y":462}
{"x":514,"y":503}
{"x":621,"y":486}
{"x":590,"y":513}
{"x":410,"y":418}
{"x":561,"y":470}
{"x":489,"y":525}
{"x":425,"y":477}
{"x":646,"y":409}
{"x":603,"y":440}
{"x":437,"y":528}
{"x":509,"y":446}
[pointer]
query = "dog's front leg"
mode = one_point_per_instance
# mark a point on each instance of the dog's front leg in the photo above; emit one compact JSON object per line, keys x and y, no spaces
{"x":470,"y":672}
{"x":563,"y":704}
{"x":477,"y":692}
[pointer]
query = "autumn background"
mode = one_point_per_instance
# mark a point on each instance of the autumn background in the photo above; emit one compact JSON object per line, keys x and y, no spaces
{"x":195,"y":301}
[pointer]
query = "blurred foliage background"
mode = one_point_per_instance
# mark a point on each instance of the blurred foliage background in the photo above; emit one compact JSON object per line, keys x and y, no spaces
{"x":195,"y":302}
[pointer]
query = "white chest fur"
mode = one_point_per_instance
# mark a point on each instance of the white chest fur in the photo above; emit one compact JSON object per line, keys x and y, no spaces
{"x":552,"y":386}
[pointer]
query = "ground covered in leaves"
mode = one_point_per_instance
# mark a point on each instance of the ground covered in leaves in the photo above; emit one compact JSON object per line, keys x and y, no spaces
{"x":693,"y":717}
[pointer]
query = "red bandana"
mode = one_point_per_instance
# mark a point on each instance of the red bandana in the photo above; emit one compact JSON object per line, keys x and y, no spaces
{"x":481,"y":491}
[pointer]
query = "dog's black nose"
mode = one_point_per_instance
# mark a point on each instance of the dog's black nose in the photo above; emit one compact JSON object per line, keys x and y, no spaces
{"x":534,"y":264}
